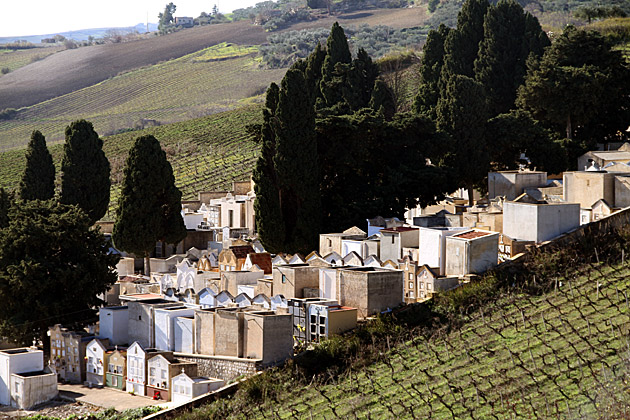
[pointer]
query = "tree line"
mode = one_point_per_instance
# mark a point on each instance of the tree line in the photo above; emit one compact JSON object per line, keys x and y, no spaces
{"x":54,"y":260}
{"x":335,"y":151}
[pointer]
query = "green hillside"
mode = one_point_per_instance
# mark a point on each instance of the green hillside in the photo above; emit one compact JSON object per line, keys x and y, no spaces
{"x":522,"y":354}
{"x":206,"y":153}
{"x":209,"y":81}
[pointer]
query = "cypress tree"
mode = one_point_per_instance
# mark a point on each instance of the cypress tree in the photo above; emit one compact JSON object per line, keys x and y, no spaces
{"x":335,"y":66}
{"x":361,"y":78}
{"x":85,"y":170}
{"x":149,"y":209}
{"x":313,"y":72}
{"x":269,"y":223}
{"x":462,"y":44}
{"x":462,"y":112}
{"x":501,"y":64}
{"x":296,"y":164}
{"x":430,"y":69}
{"x":5,"y":206}
{"x":382,"y":100}
{"x":38,"y":179}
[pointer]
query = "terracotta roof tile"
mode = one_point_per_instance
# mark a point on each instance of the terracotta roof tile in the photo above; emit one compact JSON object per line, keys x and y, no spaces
{"x":241,"y":251}
{"x":262,"y":260}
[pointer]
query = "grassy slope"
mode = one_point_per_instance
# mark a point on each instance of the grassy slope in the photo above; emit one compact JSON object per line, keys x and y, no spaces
{"x":206,"y":153}
{"x":14,"y":59}
{"x":202,"y":83}
{"x":549,"y":356}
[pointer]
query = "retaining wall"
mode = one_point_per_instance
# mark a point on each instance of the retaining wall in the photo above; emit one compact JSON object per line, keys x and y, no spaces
{"x":226,"y":368}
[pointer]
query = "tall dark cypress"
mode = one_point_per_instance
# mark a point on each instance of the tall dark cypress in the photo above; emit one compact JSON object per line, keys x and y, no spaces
{"x":361,"y":78}
{"x":5,"y":205}
{"x":335,"y":66}
{"x":85,"y":170}
{"x":149,"y":209}
{"x":313,"y":72}
{"x":269,"y":223}
{"x":296,"y":164}
{"x":462,"y":44}
{"x":430,"y":70}
{"x":462,"y":112}
{"x":502,"y":62}
{"x":38,"y":179}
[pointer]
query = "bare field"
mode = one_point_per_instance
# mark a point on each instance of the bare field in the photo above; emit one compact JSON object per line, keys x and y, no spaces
{"x":71,"y":70}
{"x":396,"y":18}
{"x":177,"y":90}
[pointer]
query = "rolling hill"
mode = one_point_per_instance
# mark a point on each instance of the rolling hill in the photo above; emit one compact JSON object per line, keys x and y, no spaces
{"x":71,"y":70}
{"x":206,"y":153}
{"x":205,"y":82}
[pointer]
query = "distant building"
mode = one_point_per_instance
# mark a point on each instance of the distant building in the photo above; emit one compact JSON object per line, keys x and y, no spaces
{"x":432,"y":250}
{"x":113,"y":324}
{"x":332,"y":242}
{"x":233,"y":258}
{"x":603,"y":158}
{"x":161,"y":372}
{"x":184,"y":21}
{"x":97,"y":356}
{"x":371,"y":290}
{"x":67,"y":353}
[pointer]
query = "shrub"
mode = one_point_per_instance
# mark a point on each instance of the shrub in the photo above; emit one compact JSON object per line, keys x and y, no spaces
{"x":7,"y":114}
{"x":286,"y":48}
{"x":5,"y":70}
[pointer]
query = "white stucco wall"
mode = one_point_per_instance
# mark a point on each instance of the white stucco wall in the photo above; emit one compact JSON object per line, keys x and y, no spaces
{"x":165,"y":326}
{"x":347,"y":246}
{"x":511,"y":184}
{"x":26,"y":361}
{"x":468,"y":256}
{"x":114,"y":324}
{"x":136,"y":369}
{"x":328,"y":283}
{"x":539,"y":222}
{"x":183,"y":331}
{"x":433,"y":246}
